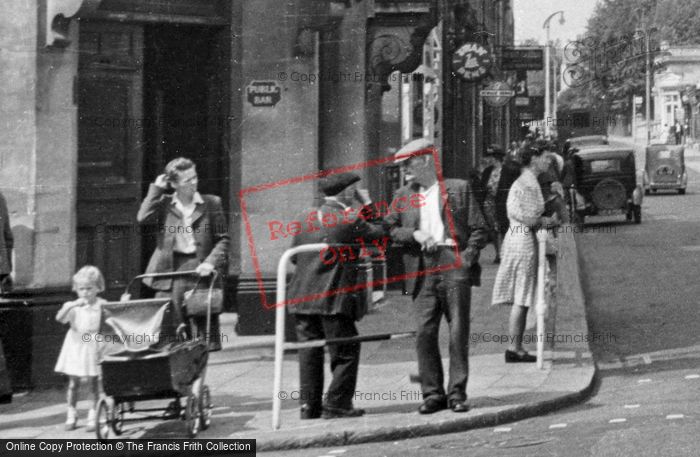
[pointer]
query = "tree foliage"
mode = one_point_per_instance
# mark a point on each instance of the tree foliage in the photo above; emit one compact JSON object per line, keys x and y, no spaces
{"x":609,"y":64}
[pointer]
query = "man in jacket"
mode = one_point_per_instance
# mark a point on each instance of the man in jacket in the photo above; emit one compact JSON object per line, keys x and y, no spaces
{"x":323,"y":310}
{"x":436,"y":236}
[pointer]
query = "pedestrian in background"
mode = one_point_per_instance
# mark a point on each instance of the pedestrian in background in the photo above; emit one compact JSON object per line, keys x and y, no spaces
{"x":325,"y":310}
{"x":515,"y":279}
{"x":491,"y":185}
{"x":427,"y":240}
{"x":79,"y":353}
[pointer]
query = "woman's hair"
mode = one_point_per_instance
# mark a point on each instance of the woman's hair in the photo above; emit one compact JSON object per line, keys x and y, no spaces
{"x":91,"y":275}
{"x":176,"y":166}
{"x":527,"y":155}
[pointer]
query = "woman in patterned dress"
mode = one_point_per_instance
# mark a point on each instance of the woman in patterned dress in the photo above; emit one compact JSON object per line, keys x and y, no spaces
{"x":517,"y":273}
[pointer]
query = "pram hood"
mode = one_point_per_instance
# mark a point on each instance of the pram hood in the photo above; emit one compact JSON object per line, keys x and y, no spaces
{"x":134,"y":327}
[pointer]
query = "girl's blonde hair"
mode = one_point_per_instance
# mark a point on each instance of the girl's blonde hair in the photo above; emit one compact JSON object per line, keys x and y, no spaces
{"x":89,"y":274}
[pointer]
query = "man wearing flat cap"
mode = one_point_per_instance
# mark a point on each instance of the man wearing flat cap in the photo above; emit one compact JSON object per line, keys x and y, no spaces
{"x":333,"y":316}
{"x":428,"y":244}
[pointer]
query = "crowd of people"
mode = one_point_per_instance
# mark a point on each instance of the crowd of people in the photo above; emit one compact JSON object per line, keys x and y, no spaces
{"x":514,"y":194}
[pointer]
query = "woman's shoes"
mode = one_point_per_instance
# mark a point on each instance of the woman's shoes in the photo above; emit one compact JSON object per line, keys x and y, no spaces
{"x":71,"y":419}
{"x":516,"y":357}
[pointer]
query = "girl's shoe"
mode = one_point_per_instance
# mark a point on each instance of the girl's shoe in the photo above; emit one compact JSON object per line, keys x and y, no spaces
{"x":71,"y":419}
{"x":90,"y":426}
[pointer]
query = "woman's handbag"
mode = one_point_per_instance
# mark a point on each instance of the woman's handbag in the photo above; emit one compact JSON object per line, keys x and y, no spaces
{"x":196,"y":300}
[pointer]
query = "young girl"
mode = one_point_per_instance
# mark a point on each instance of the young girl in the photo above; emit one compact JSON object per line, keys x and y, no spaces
{"x":78,"y":357}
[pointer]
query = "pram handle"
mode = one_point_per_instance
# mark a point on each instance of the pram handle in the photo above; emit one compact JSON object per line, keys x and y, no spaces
{"x":170,"y":274}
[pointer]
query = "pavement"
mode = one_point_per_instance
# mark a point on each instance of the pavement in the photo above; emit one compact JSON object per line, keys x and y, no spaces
{"x":240,"y":378}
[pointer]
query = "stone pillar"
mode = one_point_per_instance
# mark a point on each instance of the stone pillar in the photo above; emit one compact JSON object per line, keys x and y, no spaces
{"x":56,"y":164}
{"x":277,"y":142}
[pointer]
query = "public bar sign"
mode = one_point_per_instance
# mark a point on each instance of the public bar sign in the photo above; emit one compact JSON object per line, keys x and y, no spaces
{"x":530,"y":58}
{"x":472,"y":62}
{"x":264,"y":93}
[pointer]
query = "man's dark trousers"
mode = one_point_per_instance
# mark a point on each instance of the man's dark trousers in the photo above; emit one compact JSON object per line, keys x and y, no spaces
{"x":345,"y":359}
{"x":443,"y":293}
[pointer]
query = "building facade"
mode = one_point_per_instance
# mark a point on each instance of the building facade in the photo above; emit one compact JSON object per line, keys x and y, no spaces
{"x":99,"y":95}
{"x":676,"y":87}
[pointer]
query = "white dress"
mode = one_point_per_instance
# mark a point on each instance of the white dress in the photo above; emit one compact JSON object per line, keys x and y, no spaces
{"x":79,"y":353}
{"x":517,"y":273}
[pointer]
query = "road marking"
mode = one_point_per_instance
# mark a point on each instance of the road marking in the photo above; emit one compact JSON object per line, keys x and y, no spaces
{"x":557,"y":426}
{"x":631,"y":406}
{"x":619,"y":420}
{"x":643,"y":381}
{"x":693,"y":376}
{"x":674,"y":416}
{"x":337,"y":451}
{"x":502,"y":429}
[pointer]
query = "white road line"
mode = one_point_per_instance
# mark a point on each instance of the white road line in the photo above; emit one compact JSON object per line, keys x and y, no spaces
{"x":618,"y":420}
{"x":674,"y":416}
{"x":632,"y":406}
{"x":337,"y":451}
{"x":557,"y":426}
{"x":502,"y":429}
{"x":693,"y":376}
{"x":643,"y":380}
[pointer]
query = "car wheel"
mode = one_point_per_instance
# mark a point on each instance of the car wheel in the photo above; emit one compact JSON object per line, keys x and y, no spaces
{"x":637,"y":214}
{"x":681,"y":191}
{"x":647,"y":192}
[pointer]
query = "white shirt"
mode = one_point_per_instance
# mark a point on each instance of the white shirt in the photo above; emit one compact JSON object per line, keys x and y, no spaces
{"x":184,"y":233}
{"x":430,"y":218}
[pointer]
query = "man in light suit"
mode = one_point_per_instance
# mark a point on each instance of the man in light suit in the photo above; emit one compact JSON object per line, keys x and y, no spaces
{"x":429,"y":243}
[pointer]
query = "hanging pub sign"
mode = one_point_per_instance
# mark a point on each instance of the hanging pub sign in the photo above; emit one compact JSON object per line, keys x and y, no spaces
{"x":471,"y":61}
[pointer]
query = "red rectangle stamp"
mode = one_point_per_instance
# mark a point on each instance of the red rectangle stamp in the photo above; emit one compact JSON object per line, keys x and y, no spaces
{"x":271,"y":231}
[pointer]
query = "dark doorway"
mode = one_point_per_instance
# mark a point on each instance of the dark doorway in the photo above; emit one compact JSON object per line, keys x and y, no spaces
{"x":147,"y":93}
{"x":185,"y":105}
{"x":181,"y":98}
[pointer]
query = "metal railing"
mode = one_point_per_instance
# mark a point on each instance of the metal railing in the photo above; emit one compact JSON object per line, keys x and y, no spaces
{"x":280,"y":318}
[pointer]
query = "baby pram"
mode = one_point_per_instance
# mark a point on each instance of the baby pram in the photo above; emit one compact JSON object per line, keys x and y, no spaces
{"x":143,"y":357}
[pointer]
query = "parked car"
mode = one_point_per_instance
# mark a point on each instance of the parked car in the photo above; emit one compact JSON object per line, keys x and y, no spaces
{"x":665,"y":169}
{"x":606,"y":183}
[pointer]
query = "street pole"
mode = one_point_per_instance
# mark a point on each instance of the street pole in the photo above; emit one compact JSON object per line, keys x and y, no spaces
{"x":547,"y":113}
{"x":555,"y":92}
{"x":547,"y":76}
{"x":634,"y":118}
{"x":648,"y":86}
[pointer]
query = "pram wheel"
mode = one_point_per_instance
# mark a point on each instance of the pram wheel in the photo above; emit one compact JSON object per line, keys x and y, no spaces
{"x":103,"y":419}
{"x":205,"y":408}
{"x":118,"y":418}
{"x":192,"y":417}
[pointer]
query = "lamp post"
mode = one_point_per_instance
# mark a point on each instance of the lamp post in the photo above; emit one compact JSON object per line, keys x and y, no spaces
{"x":645,"y":29}
{"x":547,"y":76}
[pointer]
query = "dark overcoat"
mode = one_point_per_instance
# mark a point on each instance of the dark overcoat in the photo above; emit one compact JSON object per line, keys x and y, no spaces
{"x":316,"y":276}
